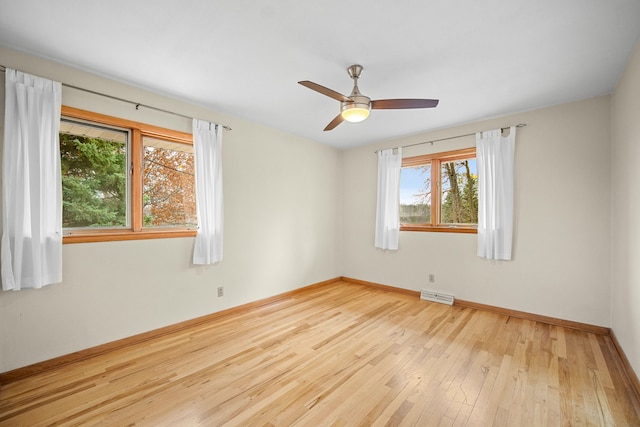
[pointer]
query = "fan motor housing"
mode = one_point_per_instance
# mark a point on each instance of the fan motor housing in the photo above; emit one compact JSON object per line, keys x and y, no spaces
{"x":357,"y":110}
{"x":358,"y":101}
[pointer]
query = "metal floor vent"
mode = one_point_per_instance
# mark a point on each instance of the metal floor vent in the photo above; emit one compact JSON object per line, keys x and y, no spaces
{"x":437,"y":297}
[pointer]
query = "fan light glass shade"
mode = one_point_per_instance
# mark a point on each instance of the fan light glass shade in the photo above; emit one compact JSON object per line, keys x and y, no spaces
{"x":355,"y":114}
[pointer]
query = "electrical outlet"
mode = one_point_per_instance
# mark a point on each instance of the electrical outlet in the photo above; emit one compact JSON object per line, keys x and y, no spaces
{"x":432,"y":278}
{"x":220,"y":291}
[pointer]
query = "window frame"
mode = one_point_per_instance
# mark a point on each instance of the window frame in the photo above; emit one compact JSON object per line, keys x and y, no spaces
{"x":436,"y":160}
{"x":136,"y":231}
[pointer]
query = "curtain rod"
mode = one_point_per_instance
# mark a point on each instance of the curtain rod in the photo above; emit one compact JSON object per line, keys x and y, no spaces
{"x":519,"y":125}
{"x":137,"y":104}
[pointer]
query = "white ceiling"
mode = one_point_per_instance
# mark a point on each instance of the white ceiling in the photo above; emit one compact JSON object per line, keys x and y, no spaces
{"x":481,"y":58}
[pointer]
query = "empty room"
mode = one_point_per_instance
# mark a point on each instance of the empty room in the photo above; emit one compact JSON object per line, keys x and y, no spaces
{"x":330,"y":213}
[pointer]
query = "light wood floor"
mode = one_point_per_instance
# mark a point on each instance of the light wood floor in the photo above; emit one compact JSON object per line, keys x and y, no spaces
{"x":337,"y":355}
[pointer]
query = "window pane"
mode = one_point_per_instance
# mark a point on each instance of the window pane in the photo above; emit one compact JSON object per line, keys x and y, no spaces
{"x":415,"y":195}
{"x":459,"y":192}
{"x":168,"y":184}
{"x":94,"y":178}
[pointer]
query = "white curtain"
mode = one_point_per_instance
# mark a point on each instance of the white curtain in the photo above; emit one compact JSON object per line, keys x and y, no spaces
{"x":31,"y":183}
{"x":495,"y":158}
{"x":207,"y":143}
{"x":388,"y":205}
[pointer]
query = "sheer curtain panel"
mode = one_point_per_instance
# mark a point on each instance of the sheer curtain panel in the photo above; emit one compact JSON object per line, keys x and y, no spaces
{"x":31,"y":251}
{"x":388,"y":202}
{"x":207,"y":144}
{"x":495,"y":158}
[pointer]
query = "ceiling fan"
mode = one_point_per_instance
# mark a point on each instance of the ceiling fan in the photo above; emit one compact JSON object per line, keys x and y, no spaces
{"x":355,"y":107}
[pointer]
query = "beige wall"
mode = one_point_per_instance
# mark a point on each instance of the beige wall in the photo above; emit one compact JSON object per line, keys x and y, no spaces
{"x":281,"y":233}
{"x":561,"y":265}
{"x":626,"y":211}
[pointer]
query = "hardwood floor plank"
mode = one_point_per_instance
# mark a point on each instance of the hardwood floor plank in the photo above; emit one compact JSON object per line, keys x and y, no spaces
{"x":340,"y":354}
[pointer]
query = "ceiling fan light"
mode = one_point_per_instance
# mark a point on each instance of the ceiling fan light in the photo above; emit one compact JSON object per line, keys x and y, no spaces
{"x":355,"y":113}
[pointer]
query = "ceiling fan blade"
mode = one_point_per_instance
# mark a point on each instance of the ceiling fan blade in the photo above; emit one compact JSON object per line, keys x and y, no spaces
{"x":335,"y":122}
{"x":398,"y":104}
{"x":325,"y":91}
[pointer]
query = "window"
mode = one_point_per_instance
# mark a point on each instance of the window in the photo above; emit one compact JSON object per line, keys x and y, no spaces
{"x":124,"y":180}
{"x":169,"y":193}
{"x":94,"y":175}
{"x":439,"y":192}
